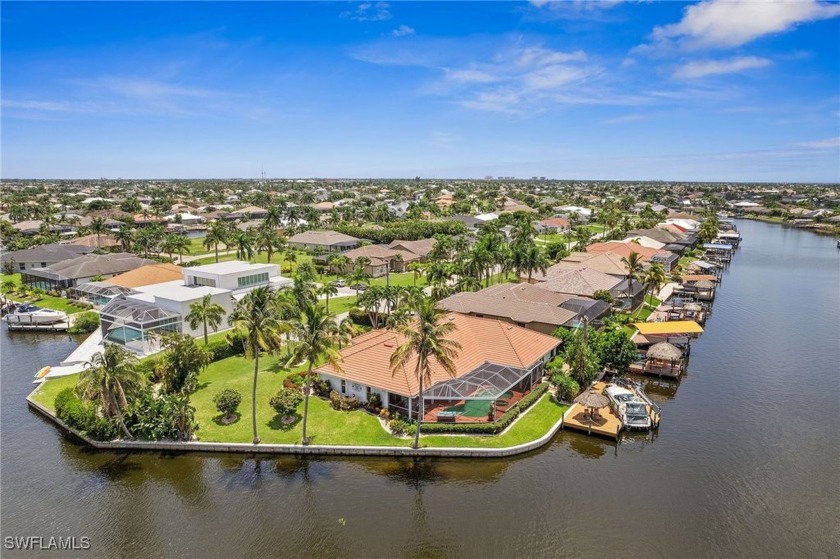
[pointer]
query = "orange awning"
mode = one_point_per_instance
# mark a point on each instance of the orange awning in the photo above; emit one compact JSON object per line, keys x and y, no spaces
{"x":670,"y":328}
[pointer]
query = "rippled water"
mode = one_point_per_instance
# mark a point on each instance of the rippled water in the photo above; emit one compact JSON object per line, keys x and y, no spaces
{"x":746,"y":462}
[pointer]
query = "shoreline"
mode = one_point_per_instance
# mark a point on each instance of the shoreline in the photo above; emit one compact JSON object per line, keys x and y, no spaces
{"x":826,"y":231}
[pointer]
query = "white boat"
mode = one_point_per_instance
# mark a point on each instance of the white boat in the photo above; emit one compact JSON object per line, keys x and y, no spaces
{"x":30,"y":314}
{"x":630,"y":408}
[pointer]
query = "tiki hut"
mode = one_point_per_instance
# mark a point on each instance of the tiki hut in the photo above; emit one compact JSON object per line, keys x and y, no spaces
{"x":704,"y":290}
{"x":592,"y":400}
{"x":664,"y":358}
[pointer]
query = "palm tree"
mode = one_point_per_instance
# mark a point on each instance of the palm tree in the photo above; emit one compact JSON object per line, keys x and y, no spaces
{"x":256,"y":319}
{"x":244,"y":243}
{"x":425,"y":340}
{"x":345,"y":332}
{"x":97,"y":226}
{"x":268,"y":240}
{"x":205,"y":312}
{"x":533,"y":259}
{"x":634,"y":265}
{"x":125,"y":236}
{"x":654,"y":278}
{"x":109,"y":380}
{"x":328,"y":290}
{"x":291,"y":258}
{"x":182,"y":245}
{"x":216,"y":234}
{"x":315,"y":333}
{"x":417,"y":269}
{"x":358,"y":276}
{"x":169,"y":244}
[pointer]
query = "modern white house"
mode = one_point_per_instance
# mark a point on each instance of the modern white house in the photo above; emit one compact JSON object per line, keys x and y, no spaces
{"x":136,"y":319}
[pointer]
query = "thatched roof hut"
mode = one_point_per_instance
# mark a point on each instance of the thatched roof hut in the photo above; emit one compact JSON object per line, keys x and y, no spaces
{"x":593,"y":399}
{"x":663,"y":351}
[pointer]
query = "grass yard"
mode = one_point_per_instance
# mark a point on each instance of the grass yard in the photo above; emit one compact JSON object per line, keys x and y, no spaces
{"x":533,"y":425}
{"x":47,"y":391}
{"x":553,"y":238}
{"x":11,"y":277}
{"x":339,"y":305}
{"x":325,"y":426}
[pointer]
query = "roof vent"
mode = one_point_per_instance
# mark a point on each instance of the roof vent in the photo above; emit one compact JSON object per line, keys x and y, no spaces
{"x":388,"y":344}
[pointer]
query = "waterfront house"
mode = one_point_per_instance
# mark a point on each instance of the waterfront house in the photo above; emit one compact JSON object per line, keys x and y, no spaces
{"x":382,"y":259}
{"x":421,"y":247}
{"x":325,"y":241}
{"x":498,"y":364}
{"x":553,"y":225}
{"x":137,"y":318}
{"x":82,"y":269}
{"x":44,"y":255}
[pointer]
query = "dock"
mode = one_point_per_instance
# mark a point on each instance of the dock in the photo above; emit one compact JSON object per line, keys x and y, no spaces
{"x":28,"y":327}
{"x":607,"y":424}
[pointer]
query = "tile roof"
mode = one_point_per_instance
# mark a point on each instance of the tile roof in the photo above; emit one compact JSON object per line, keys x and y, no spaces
{"x":482,"y":340}
{"x":47,"y":253}
{"x":507,"y":306}
{"x":92,"y":265}
{"x":321,"y":238}
{"x":421,"y":247}
{"x":582,"y":281}
{"x":148,"y":275}
{"x":379,"y":252}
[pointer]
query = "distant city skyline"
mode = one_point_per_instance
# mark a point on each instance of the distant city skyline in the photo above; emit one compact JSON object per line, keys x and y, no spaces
{"x":731,"y":91}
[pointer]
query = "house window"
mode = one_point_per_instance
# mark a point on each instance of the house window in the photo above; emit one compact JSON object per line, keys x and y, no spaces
{"x":43,"y":264}
{"x":22,"y":266}
{"x":367,"y":393}
{"x":343,"y":386}
{"x":247,"y":281}
{"x":204,"y":281}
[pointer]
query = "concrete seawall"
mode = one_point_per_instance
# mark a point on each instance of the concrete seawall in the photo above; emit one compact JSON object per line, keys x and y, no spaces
{"x":310,"y":450}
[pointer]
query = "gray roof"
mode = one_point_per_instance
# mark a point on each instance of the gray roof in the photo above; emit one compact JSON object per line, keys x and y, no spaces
{"x":91,"y":265}
{"x":503,"y":306}
{"x":322,"y":238}
{"x":47,"y":253}
{"x":582,"y":281}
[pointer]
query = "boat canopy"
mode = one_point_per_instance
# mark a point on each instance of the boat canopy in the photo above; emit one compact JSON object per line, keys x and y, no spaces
{"x":673,"y":327}
{"x":717,"y":246}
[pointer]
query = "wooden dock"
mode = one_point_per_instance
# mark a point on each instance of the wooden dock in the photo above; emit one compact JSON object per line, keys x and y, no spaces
{"x":605,"y":424}
{"x":25,"y":326}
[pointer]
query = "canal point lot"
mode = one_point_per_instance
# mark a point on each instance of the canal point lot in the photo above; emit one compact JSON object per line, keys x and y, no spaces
{"x":325,"y":425}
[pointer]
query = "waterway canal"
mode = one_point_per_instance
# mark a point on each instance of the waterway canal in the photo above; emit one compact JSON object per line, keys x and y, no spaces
{"x":746,"y":463}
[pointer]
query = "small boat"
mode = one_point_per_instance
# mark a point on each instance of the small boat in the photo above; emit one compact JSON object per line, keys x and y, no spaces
{"x":43,"y":372}
{"x":629,"y":407}
{"x":30,"y":314}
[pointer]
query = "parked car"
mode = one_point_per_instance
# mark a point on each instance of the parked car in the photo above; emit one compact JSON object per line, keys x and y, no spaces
{"x":338,"y":283}
{"x":359,"y":287}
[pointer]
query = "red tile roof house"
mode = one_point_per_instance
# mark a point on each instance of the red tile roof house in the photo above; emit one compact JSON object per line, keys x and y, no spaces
{"x":498,"y":364}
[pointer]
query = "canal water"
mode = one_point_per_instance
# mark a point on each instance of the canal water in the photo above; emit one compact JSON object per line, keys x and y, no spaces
{"x":746,"y":463}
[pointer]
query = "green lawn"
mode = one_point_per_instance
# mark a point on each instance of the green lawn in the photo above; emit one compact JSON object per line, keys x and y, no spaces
{"x":44,"y":301}
{"x":533,"y":425}
{"x":553,"y":238}
{"x":339,"y":305}
{"x":326,"y":426}
{"x":47,"y":391}
{"x":11,"y":277}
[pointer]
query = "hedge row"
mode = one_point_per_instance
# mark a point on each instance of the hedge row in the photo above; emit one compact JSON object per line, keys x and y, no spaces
{"x":405,"y":230}
{"x":488,"y":428}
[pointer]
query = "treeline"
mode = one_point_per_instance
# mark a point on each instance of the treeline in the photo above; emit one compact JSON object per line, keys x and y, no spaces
{"x":406,"y":230}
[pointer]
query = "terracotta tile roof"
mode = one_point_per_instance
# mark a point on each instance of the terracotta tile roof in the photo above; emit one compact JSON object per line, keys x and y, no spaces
{"x":148,"y":275}
{"x":482,"y":340}
{"x":582,"y":281}
{"x":623,"y":249}
{"x":509,"y":307}
{"x":322,"y":238}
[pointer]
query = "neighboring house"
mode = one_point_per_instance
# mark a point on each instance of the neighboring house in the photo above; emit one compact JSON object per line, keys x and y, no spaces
{"x":382,"y":259}
{"x":605,"y":262}
{"x":421,"y":247}
{"x":105,"y":241}
{"x":136,"y":320}
{"x":186,"y":218}
{"x":498,"y":364}
{"x":249,"y":212}
{"x":44,"y":255}
{"x":586,"y":282}
{"x":159,"y":272}
{"x":327,"y":241}
{"x":82,"y":269}
{"x":553,"y":225}
{"x":472,"y":223}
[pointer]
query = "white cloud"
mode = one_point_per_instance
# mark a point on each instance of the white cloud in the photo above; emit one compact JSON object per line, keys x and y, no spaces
{"x":368,"y":11}
{"x":732,"y":23}
{"x":470,"y":75}
{"x":828,"y":143}
{"x":702,"y":68}
{"x":402,"y":31}
{"x":538,"y":56}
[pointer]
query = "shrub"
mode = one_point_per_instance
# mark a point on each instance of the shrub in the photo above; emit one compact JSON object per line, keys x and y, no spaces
{"x":102,"y":429}
{"x":227,"y":401}
{"x":566,"y":387}
{"x":603,"y":295}
{"x":85,"y":323}
{"x":222,"y":349}
{"x":360,"y":317}
{"x":295,"y":381}
{"x":374,"y":403}
{"x":399,"y":426}
{"x":286,"y":401}
{"x":385,"y":414}
{"x":76,"y":413}
{"x":343,"y":403}
{"x":322,"y":387}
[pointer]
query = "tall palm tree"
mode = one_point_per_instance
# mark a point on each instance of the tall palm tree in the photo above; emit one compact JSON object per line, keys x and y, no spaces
{"x":415,"y":268}
{"x":205,"y":312}
{"x":182,"y":244}
{"x":533,"y":259}
{"x":110,"y":379}
{"x":268,"y":240}
{"x":634,"y":265}
{"x":425,"y":339}
{"x":328,"y":290}
{"x":169,"y":244}
{"x":358,"y":276}
{"x":315,"y":332}
{"x":256,"y":319}
{"x":125,"y":236}
{"x":217,"y":234}
{"x":244,"y":243}
{"x":345,"y":332}
{"x":654,"y":278}
{"x":97,"y":226}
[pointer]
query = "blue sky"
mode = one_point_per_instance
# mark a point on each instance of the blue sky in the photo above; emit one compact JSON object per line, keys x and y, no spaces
{"x":733,"y":91}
